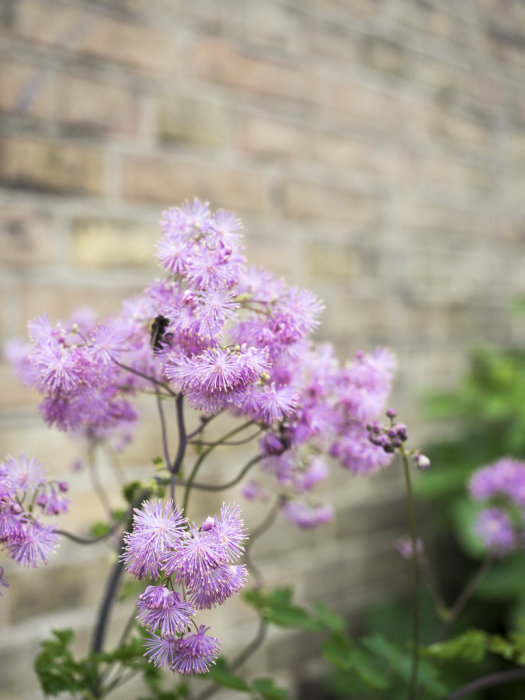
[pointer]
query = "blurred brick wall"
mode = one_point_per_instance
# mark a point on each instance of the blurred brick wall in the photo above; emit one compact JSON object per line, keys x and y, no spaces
{"x":375,"y":151}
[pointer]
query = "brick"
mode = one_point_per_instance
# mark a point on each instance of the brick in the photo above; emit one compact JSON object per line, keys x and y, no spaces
{"x":373,"y":108}
{"x":91,"y":106}
{"x":79,"y":29}
{"x":192,"y":120}
{"x":303,"y":199}
{"x":59,"y":302}
{"x":108,"y":243}
{"x":50,"y":166}
{"x":169,"y":181}
{"x":25,"y":89}
{"x":273,"y":26}
{"x":269,"y":139}
{"x":14,"y":393}
{"x":217,"y":61}
{"x":385,"y":56}
{"x":26,"y":236}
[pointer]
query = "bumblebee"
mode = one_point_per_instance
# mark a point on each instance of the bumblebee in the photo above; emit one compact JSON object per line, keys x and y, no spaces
{"x":157,"y":332}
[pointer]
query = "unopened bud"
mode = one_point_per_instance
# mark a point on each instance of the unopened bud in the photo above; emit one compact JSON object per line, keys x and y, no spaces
{"x":421,"y":461}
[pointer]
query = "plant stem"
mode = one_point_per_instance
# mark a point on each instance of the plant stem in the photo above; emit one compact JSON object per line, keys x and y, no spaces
{"x":465,"y":596}
{"x":498,"y":678}
{"x":202,"y":457}
{"x":415,"y":577}
{"x":164,"y":432}
{"x":221,"y":487}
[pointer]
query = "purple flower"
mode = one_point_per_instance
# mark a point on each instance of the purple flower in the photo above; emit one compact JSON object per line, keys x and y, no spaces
{"x":24,"y":473}
{"x":157,"y":528}
{"x":195,"y":653}
{"x":495,"y":528}
{"x":160,"y":650}
{"x":505,"y":477}
{"x":218,"y":369}
{"x":217,"y":585}
{"x":34,"y":543}
{"x":306,"y":515}
{"x":164,"y":609}
{"x":404,"y":547}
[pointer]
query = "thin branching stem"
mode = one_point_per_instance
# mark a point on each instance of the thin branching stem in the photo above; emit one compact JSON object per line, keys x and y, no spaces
{"x":412,"y":692}
{"x":164,"y":432}
{"x":257,"y":532}
{"x":190,"y":482}
{"x":138,"y":373}
{"x":499,"y":678}
{"x":221,"y":487}
{"x":465,"y":595}
{"x":228,"y":443}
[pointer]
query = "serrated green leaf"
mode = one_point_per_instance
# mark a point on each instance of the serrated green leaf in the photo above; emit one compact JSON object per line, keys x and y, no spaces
{"x":469,"y":646}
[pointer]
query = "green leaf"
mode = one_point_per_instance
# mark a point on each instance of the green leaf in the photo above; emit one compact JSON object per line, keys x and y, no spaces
{"x":99,"y":529}
{"x":131,"y":490}
{"x":328,"y":618}
{"x":276,"y":606}
{"x":469,"y":646}
{"x":267,"y":689}
{"x":336,"y":650}
{"x":401,"y":664}
{"x":219,"y":674}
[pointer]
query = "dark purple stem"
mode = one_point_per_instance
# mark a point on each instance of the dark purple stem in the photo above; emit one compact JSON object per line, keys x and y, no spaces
{"x":220,"y":487}
{"x":183,"y":442}
{"x":498,"y":678}
{"x":164,"y":431}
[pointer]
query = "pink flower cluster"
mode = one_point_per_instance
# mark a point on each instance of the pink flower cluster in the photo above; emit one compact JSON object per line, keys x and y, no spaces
{"x":500,"y":526}
{"x":26,"y":492}
{"x":163,"y":545}
{"x":229,"y":337}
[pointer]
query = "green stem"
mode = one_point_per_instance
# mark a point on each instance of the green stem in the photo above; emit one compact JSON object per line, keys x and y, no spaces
{"x":412,"y":695}
{"x":465,"y":596}
{"x":202,"y":457}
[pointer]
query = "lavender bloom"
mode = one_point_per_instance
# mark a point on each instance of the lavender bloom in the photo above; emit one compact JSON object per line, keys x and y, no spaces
{"x":405,"y":549}
{"x":307,"y":516}
{"x":33,"y":544}
{"x":506,"y":477}
{"x":156,"y":530}
{"x":495,"y":528}
{"x":217,"y":585}
{"x":164,"y":609}
{"x":195,"y":653}
{"x":160,"y":650}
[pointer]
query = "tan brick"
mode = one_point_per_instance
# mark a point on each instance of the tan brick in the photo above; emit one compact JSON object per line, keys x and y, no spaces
{"x":193,"y":120}
{"x":169,"y":181}
{"x":26,"y":236}
{"x":78,"y":29}
{"x":50,"y":166}
{"x":14,"y":393}
{"x":331,"y":259}
{"x":310,"y":200}
{"x":60,"y":302}
{"x":374,"y":108}
{"x":108,"y":243}
{"x":91,"y":105}
{"x":217,"y":61}
{"x":269,"y":139}
{"x":25,"y":89}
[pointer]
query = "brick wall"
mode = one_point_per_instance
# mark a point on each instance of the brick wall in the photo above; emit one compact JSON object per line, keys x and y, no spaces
{"x":376,"y":153}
